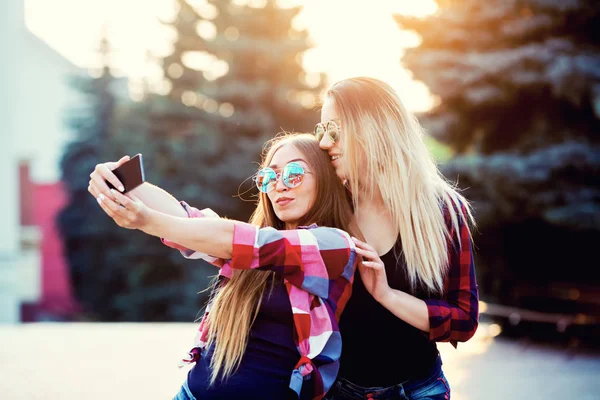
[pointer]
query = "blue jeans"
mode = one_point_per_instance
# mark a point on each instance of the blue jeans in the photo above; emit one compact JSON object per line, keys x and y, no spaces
{"x":184,"y":393}
{"x":434,"y":387}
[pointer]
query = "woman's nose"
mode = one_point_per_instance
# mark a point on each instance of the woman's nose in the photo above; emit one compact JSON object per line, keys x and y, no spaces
{"x":325,"y":143}
{"x":279,"y":185}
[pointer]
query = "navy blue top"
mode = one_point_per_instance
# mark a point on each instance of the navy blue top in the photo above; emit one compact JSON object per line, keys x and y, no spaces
{"x":267,"y":364}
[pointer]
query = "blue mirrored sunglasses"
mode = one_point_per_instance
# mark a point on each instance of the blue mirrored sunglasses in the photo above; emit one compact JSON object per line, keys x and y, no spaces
{"x":292,"y":175}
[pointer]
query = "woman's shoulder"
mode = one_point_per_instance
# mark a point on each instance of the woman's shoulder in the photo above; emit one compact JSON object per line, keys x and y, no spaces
{"x":326,"y":231}
{"x":455,"y":205}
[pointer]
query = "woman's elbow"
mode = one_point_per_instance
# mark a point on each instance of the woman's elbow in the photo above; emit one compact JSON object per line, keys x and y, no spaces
{"x":471,"y":328}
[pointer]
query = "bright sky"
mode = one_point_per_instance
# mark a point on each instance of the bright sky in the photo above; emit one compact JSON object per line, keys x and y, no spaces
{"x":352,"y":37}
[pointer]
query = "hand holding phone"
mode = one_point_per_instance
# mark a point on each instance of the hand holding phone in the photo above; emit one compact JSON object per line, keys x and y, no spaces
{"x":131,"y":173}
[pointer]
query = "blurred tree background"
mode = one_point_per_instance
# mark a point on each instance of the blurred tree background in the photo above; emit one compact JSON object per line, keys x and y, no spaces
{"x":233,"y":80}
{"x":518,"y":84}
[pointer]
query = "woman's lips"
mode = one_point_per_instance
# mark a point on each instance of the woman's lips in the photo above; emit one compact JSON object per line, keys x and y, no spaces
{"x":284,"y":201}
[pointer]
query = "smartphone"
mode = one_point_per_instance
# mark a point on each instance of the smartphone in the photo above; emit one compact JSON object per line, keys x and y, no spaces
{"x":131,"y":174}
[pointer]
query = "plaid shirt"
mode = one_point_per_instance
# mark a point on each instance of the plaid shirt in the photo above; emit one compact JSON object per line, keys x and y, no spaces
{"x":454,"y":318}
{"x":317,"y":264}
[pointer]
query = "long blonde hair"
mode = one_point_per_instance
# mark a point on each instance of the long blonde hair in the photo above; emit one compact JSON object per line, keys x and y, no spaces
{"x":382,"y":138}
{"x":234,"y":306}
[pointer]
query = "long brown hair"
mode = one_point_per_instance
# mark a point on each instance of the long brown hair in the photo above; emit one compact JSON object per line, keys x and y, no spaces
{"x":400,"y":167}
{"x":236,"y":304}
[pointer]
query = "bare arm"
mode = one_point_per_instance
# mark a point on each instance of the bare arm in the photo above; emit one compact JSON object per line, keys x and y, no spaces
{"x":213,"y":236}
{"x":408,"y":308}
{"x":159,"y":200}
{"x":308,"y":258}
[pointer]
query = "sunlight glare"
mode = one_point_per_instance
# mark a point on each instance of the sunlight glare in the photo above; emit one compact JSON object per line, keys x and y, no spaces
{"x":494,"y":330}
{"x":226,"y":110}
{"x":188,"y":98}
{"x":351,"y":38}
{"x":231,"y":33}
{"x":175,"y":70}
{"x":210,"y":106}
{"x":206,"y":30}
{"x":165,"y":87}
{"x":482,"y":306}
{"x":312,"y":79}
{"x":198,"y":60}
{"x":205,"y":10}
{"x":307,"y":99}
{"x":362,"y":39}
{"x":257,"y":3}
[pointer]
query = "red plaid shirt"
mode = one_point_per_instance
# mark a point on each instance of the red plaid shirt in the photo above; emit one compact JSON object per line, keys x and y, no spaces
{"x":454,"y":318}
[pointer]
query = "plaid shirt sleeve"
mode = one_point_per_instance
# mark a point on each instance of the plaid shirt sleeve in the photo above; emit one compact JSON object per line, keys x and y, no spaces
{"x":192,"y":254}
{"x":454,"y":317}
{"x":309,"y":258}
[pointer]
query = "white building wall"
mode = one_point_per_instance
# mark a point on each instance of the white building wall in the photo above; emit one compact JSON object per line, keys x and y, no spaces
{"x":42,"y":117}
{"x":34,"y":97}
{"x":11,"y":36}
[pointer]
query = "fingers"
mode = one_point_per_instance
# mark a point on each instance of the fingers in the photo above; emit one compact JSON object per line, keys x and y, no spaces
{"x":113,"y":209}
{"x":362,"y":245}
{"x":93,"y":191}
{"x":365,"y":249}
{"x":133,"y":205}
{"x":370,"y":257}
{"x":372,"y":264}
{"x":124,"y":200}
{"x":122,"y":161}
{"x":101,"y":174}
{"x":112,"y":165}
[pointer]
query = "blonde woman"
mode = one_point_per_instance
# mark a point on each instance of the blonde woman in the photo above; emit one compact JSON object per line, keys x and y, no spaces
{"x":271,"y":329}
{"x":419,"y":287}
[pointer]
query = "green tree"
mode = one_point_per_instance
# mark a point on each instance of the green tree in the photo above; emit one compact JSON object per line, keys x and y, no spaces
{"x":85,"y":232}
{"x":200,"y":132}
{"x":125,"y":275}
{"x":519,"y":90}
{"x":180,"y":142}
{"x":265,"y":89}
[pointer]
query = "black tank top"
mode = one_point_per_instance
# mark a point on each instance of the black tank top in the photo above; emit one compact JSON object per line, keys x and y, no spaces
{"x":378,"y":348}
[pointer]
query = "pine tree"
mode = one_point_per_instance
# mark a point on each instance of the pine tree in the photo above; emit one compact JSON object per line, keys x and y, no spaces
{"x":120,"y":274}
{"x":265,"y":89}
{"x":200,"y":136}
{"x":519,"y":89}
{"x":84,"y":229}
{"x":180,"y":142}
{"x":185,"y":134}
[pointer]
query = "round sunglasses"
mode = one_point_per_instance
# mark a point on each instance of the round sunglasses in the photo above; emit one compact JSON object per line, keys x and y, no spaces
{"x":292,"y":175}
{"x":331,"y":128}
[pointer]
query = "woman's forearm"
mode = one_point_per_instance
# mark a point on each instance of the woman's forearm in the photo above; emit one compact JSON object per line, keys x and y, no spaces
{"x":408,"y":308}
{"x":213,"y":236}
{"x":159,"y":199}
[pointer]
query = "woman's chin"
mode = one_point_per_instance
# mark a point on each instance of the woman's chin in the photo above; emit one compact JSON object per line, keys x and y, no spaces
{"x":286,"y":218}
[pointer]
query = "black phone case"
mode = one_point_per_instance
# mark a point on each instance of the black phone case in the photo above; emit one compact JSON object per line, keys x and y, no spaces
{"x":131,"y":174}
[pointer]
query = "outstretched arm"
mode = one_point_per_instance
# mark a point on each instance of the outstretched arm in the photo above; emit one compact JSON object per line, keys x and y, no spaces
{"x":307,"y":258}
{"x":213,"y":236}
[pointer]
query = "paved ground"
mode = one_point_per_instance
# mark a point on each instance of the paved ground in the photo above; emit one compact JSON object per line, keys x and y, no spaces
{"x":56,"y":361}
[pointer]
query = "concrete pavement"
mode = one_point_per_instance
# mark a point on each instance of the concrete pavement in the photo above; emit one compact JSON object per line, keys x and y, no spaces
{"x":93,"y":361}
